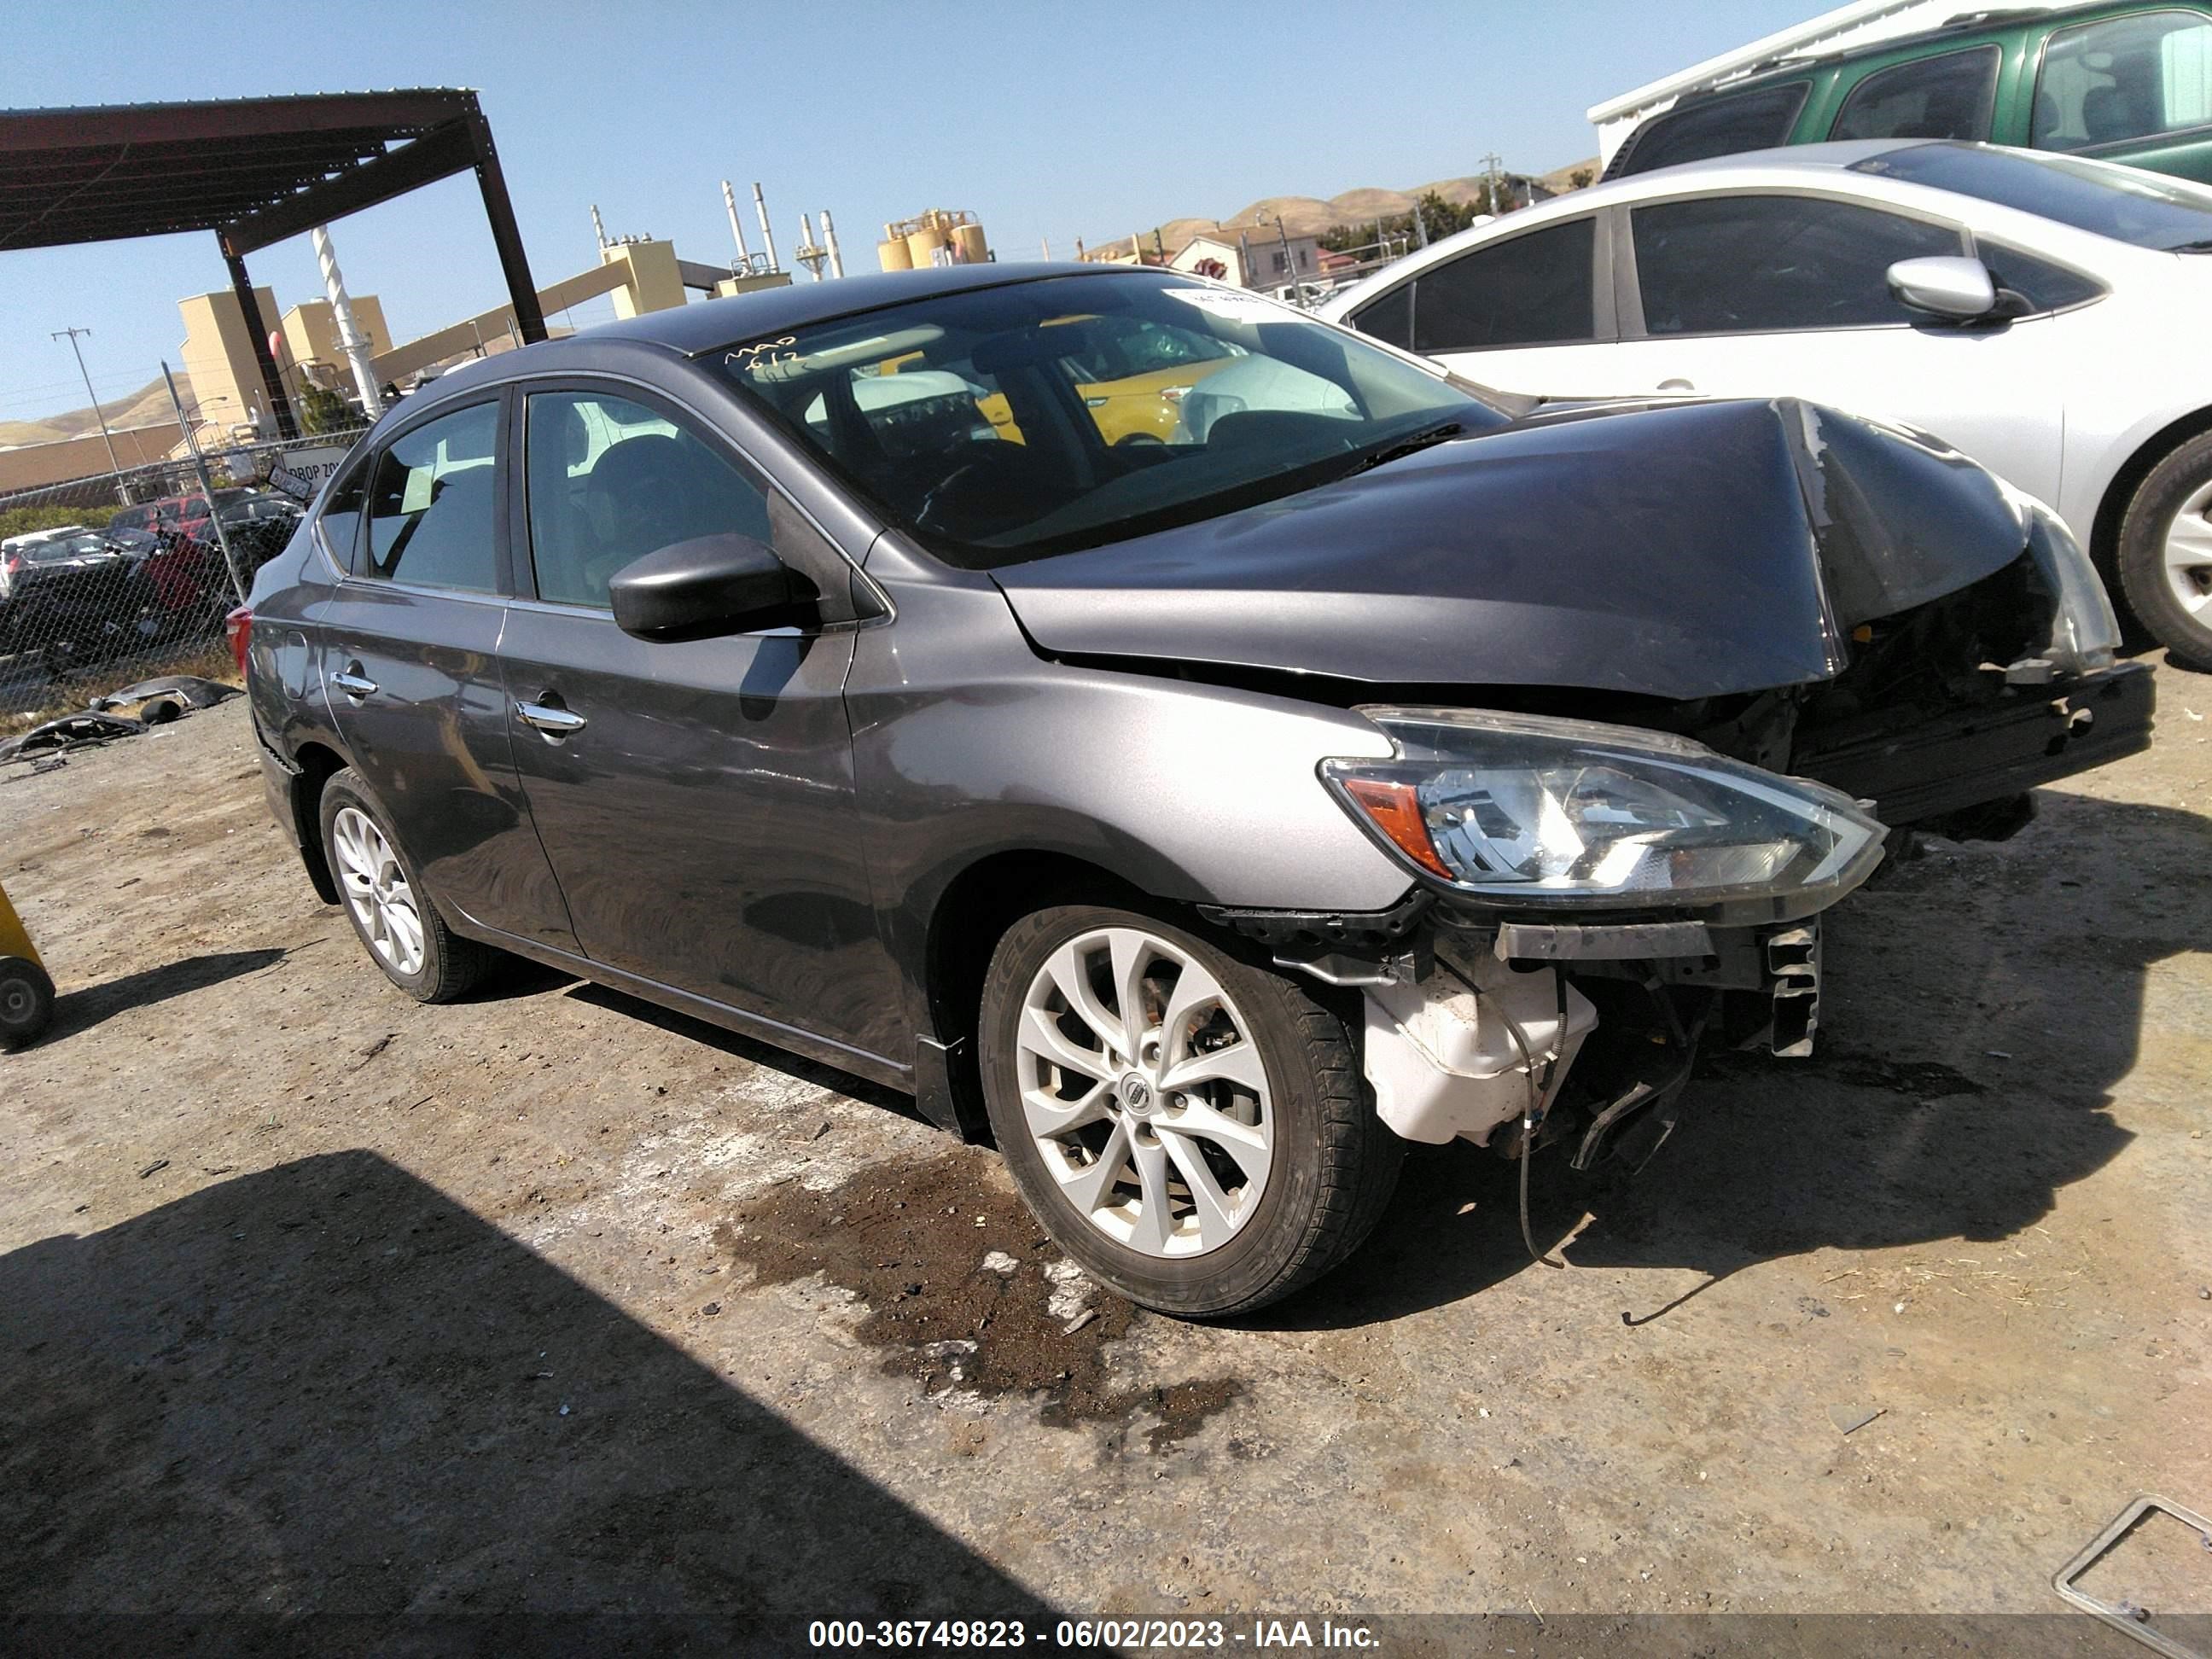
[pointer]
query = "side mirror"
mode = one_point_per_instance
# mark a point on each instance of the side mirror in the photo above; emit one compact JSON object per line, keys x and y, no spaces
{"x":726,"y":584}
{"x":1950,"y":287}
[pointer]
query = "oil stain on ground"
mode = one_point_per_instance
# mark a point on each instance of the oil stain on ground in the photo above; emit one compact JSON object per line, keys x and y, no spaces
{"x":963,"y":1290}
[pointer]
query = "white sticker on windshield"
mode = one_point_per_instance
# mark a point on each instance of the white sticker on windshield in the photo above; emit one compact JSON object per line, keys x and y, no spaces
{"x":1234,"y":307}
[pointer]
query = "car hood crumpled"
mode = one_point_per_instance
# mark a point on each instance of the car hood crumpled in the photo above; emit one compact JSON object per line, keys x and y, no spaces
{"x":1675,"y":551}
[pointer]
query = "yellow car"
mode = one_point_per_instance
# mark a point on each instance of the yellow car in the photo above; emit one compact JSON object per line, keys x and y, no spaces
{"x":1140,"y":405}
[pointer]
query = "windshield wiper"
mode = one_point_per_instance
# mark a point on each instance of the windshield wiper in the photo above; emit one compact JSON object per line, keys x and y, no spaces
{"x":2203,"y":247}
{"x":1398,"y":449}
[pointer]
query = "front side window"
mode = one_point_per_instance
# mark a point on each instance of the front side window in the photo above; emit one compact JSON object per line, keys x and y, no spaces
{"x":432,"y":496}
{"x":611,"y":480}
{"x":1727,"y":125}
{"x":1949,"y":96}
{"x":1533,"y":290}
{"x":978,"y":421}
{"x":1730,"y":265}
{"x":2122,"y":79}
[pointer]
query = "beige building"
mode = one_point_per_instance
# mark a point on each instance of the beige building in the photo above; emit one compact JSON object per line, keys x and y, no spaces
{"x":311,"y":341}
{"x":219,"y":359}
{"x":1270,"y":264}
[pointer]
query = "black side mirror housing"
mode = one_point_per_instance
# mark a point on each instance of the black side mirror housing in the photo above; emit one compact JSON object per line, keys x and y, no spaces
{"x":711,"y":584}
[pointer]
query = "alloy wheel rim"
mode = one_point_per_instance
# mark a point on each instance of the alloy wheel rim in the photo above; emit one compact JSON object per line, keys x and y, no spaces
{"x":1144,"y":1093}
{"x":377,"y":891}
{"x":2188,"y":555}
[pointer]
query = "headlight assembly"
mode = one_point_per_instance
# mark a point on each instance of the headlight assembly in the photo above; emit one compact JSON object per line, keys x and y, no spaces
{"x":1522,"y":810}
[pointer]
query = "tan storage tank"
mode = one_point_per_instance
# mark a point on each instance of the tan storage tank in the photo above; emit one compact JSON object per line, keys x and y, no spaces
{"x":922,"y":245}
{"x":974,"y":250}
{"x":892,"y":255}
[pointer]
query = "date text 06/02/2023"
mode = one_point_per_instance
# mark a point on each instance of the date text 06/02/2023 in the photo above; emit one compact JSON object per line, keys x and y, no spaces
{"x":1175,"y":1635}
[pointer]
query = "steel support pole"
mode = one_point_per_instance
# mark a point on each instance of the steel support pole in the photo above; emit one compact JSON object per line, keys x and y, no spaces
{"x":506,"y":235}
{"x":257,"y":332}
{"x":350,"y":342}
{"x":238,"y":583}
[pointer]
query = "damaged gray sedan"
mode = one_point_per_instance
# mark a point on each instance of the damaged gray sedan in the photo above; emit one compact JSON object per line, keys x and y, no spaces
{"x":1186,"y":742}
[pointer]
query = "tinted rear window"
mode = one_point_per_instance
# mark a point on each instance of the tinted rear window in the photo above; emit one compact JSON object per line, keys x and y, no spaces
{"x":1533,"y":290}
{"x":2145,"y":209}
{"x":1716,"y":127}
{"x":1949,"y":96}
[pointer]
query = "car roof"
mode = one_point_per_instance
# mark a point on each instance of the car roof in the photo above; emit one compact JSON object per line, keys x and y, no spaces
{"x":711,"y":323}
{"x":1967,"y":28}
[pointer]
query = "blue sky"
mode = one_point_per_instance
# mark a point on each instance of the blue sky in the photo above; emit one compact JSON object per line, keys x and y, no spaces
{"x":1046,"y":120}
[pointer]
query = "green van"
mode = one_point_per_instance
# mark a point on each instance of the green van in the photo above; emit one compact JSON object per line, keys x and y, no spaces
{"x":2124,"y":80}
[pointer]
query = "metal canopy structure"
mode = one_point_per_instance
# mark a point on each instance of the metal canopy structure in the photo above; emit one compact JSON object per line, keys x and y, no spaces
{"x":253,"y":170}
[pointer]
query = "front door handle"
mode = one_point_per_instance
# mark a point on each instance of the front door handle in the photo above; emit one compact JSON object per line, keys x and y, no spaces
{"x":350,"y":681}
{"x":550,"y":717}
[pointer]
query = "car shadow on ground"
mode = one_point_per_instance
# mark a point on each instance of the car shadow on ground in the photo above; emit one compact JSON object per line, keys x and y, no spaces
{"x":1979,"y":1006}
{"x":81,"y":1010}
{"x":327,"y":1390}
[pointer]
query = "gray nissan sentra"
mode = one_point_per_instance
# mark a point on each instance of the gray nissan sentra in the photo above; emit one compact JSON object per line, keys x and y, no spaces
{"x":1193,"y":746}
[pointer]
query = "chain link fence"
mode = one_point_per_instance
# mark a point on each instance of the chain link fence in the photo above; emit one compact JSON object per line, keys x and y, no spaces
{"x":108,"y":581}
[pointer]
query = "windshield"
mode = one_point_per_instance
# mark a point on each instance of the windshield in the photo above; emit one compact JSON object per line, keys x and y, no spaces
{"x":75,"y":547}
{"x":2146,"y":209}
{"x":1002,"y":424}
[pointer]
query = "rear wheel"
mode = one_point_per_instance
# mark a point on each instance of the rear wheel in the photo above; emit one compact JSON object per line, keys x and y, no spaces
{"x":1190,"y":1129}
{"x":2166,"y":553}
{"x":384,"y":898}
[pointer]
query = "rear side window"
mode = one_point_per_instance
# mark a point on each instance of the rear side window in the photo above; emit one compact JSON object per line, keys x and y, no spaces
{"x":1713,"y":126}
{"x":1949,"y":96}
{"x":431,"y":500}
{"x":2123,"y":78}
{"x":1766,"y":263}
{"x":1389,"y":318}
{"x":611,"y":480}
{"x":1532,"y":290}
{"x":2045,"y":286}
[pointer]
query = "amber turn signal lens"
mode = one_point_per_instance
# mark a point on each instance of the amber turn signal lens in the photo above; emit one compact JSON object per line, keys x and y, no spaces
{"x":1397,"y":810}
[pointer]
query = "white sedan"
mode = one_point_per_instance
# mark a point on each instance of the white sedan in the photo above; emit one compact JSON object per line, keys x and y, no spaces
{"x":2050,"y":316}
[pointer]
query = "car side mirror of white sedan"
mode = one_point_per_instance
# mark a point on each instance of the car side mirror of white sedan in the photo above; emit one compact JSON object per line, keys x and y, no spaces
{"x":1951,"y":287}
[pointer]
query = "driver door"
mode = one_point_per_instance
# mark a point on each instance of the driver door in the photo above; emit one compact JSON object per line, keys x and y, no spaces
{"x":695,"y":797}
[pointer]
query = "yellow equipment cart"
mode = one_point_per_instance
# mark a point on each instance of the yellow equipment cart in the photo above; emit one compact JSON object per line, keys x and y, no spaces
{"x":27,"y":995}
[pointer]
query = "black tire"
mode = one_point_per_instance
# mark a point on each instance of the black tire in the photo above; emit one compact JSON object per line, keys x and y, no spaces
{"x":1333,"y":1162}
{"x":452,"y":965}
{"x":2150,"y":515}
{"x":26,"y":1001}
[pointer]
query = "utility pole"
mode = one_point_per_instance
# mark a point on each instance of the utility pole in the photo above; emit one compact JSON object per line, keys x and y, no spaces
{"x":1490,"y":166}
{"x":98,"y":414}
{"x":207,"y":485}
{"x":1297,"y":289}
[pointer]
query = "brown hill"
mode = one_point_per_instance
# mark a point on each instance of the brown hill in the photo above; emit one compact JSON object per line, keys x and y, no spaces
{"x":143,"y":407}
{"x":1310,"y":216}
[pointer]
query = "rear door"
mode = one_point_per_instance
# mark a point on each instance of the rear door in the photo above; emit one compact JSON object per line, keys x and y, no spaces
{"x":1529,"y":313}
{"x":410,"y":644}
{"x":695,"y":797}
{"x":1759,"y":294}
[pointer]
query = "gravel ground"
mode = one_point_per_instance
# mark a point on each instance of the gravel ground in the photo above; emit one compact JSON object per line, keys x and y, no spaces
{"x":313,"y":1301}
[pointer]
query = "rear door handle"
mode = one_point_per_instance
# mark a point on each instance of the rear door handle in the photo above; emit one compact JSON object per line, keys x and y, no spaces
{"x":350,"y":681}
{"x":551,"y":718}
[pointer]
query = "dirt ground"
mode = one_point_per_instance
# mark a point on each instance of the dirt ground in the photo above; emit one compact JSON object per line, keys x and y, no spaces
{"x":314,"y":1301}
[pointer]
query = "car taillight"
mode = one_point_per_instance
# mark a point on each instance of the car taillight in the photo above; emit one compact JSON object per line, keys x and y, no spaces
{"x":238,"y":629}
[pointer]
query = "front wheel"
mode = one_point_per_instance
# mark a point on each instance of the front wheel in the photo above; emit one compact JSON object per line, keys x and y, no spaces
{"x":1191,"y":1130}
{"x":2166,"y":553}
